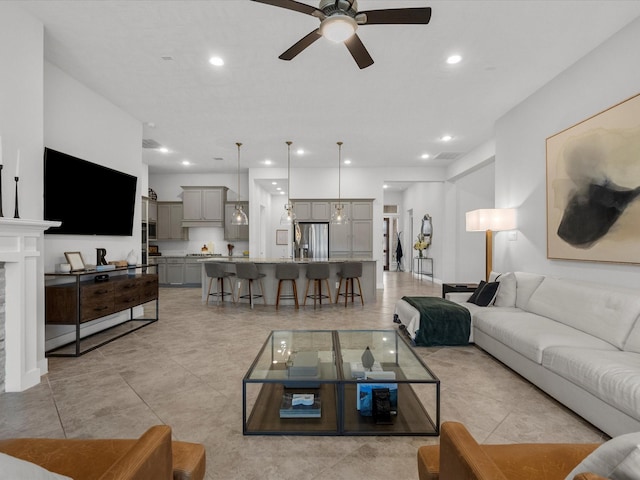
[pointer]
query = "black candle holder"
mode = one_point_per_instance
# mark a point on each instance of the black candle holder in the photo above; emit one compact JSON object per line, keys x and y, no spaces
{"x":16,"y":214}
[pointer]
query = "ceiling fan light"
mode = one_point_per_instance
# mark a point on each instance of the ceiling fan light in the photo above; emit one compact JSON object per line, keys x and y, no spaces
{"x":338,"y":28}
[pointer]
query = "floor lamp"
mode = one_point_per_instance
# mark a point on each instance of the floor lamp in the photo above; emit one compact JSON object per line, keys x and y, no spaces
{"x":490,"y":220}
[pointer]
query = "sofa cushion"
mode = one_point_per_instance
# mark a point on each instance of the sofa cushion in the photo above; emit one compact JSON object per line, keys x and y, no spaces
{"x":12,"y":468}
{"x":526,"y":284}
{"x":612,"y":376}
{"x":506,"y":296}
{"x":617,"y":459}
{"x":632,"y":344}
{"x":607,"y":313}
{"x":530,"y":334}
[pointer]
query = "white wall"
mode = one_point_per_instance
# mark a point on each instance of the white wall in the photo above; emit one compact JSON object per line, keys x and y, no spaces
{"x":81,"y":123}
{"x":21,"y":116}
{"x":603,"y":78}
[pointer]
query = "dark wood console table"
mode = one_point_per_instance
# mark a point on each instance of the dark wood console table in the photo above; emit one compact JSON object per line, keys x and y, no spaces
{"x":76,"y":298}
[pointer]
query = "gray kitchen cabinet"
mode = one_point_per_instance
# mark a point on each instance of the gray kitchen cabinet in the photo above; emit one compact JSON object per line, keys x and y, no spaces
{"x":162,"y":268}
{"x":203,"y":206}
{"x":355,"y":238}
{"x":152,"y":210}
{"x":169,"y":226}
{"x":312,"y":211}
{"x":193,"y":272}
{"x":235,"y":232}
{"x":175,"y":270}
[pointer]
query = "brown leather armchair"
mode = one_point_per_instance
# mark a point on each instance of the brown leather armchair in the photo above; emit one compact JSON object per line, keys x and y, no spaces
{"x":460,"y":457}
{"x":153,"y":456}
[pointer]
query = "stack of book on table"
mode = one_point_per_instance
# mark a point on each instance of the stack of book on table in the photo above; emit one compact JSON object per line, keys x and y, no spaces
{"x":300,"y":405}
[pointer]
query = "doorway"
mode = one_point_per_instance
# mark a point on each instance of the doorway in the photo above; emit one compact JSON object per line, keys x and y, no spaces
{"x":386,"y":244}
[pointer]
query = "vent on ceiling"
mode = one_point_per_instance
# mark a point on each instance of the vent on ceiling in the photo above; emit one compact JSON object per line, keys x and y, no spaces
{"x":150,"y":143}
{"x":448,"y":156}
{"x":390,"y":209}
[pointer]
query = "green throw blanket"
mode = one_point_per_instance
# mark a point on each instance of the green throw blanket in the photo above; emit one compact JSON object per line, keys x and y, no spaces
{"x":442,"y":322}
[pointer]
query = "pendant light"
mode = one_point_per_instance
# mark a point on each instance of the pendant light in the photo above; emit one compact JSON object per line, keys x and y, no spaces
{"x":339,"y":216}
{"x":239,"y":216}
{"x":289,"y":216}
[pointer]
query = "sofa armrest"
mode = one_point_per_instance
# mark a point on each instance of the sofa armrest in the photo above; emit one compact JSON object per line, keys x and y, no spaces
{"x":150,"y":457}
{"x":458,"y":297}
{"x":462,"y":458}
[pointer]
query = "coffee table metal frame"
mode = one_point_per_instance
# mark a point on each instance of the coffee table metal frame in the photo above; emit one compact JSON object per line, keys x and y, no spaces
{"x":267,"y":379}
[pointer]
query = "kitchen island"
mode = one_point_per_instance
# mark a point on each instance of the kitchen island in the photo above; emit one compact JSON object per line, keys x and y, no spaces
{"x":270,"y":282}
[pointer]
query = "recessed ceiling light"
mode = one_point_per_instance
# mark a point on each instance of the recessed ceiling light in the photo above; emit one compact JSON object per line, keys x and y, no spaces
{"x":216,"y":61}
{"x":446,"y":138}
{"x":453,"y":59}
{"x":267,"y":162}
{"x":164,"y":149}
{"x":385,"y":186}
{"x":282,"y":193}
{"x":278,"y":188}
{"x":347,"y":162}
{"x":424,"y":156}
{"x":274,"y":183}
{"x":186,"y":162}
{"x":300,"y":151}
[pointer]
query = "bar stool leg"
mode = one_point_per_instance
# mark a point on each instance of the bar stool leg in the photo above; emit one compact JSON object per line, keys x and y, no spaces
{"x":209,"y":289}
{"x":264,"y":300}
{"x":360,"y":290}
{"x":278,"y":294}
{"x":233,"y":296}
{"x":326,"y":281}
{"x":306,"y":292}
{"x":338,"y":290}
{"x":295,"y":293}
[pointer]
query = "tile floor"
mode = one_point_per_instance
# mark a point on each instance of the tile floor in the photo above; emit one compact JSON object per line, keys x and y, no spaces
{"x":186,"y":371}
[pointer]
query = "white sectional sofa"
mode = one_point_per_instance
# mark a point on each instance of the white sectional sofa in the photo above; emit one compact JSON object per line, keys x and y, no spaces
{"x":577,"y":341}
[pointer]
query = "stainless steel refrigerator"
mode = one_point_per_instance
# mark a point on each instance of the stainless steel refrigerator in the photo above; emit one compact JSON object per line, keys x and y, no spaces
{"x":314,"y":240}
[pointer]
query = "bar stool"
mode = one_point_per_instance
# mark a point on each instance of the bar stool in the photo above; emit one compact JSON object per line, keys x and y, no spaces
{"x":249,"y":271}
{"x":218,"y":272}
{"x":287,"y":272}
{"x":350,"y":271}
{"x":317,"y":272}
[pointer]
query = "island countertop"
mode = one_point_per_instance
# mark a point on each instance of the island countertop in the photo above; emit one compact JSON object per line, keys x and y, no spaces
{"x":282,"y":260}
{"x":270,"y":283}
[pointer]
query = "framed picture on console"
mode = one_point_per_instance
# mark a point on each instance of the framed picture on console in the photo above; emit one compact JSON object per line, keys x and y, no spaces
{"x":75,"y":260}
{"x":593,"y":187}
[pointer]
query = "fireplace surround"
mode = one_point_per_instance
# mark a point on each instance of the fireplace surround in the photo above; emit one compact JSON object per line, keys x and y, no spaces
{"x":22,"y":303}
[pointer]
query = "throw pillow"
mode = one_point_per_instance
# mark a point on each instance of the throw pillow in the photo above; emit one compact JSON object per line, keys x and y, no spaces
{"x":506,"y":296}
{"x":488,"y":294}
{"x":617,"y":459}
{"x":474,"y":296}
{"x":12,"y":468}
{"x":485,"y":293}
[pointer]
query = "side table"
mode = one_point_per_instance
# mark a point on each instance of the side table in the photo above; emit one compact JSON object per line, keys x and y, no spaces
{"x":420,"y":269}
{"x":458,"y":287}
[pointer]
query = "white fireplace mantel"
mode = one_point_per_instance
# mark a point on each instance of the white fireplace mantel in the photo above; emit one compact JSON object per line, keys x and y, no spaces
{"x":21,"y":244}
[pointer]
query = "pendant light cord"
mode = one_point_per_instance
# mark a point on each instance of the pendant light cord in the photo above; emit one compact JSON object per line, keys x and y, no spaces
{"x":289,"y":142}
{"x":339,"y":176}
{"x":239,"y":145}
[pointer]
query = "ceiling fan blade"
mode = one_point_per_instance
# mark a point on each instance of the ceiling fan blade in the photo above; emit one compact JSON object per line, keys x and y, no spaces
{"x":398,"y":15}
{"x":293,"y":5}
{"x":358,"y":51}
{"x":300,"y":45}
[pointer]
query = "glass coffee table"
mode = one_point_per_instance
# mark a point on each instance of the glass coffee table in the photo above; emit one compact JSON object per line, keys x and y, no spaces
{"x":339,"y":382}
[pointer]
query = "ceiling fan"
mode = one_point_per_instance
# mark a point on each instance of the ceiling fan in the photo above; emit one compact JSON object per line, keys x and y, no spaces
{"x":339,"y":20}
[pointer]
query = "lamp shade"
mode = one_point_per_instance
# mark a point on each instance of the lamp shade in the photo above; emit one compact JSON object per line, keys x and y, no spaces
{"x":494,"y":219}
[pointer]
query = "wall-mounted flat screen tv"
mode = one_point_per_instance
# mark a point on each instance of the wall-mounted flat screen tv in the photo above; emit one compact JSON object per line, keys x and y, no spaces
{"x":88,"y":199}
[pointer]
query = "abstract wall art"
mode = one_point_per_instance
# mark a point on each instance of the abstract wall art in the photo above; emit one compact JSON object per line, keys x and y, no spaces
{"x":593,"y":187}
